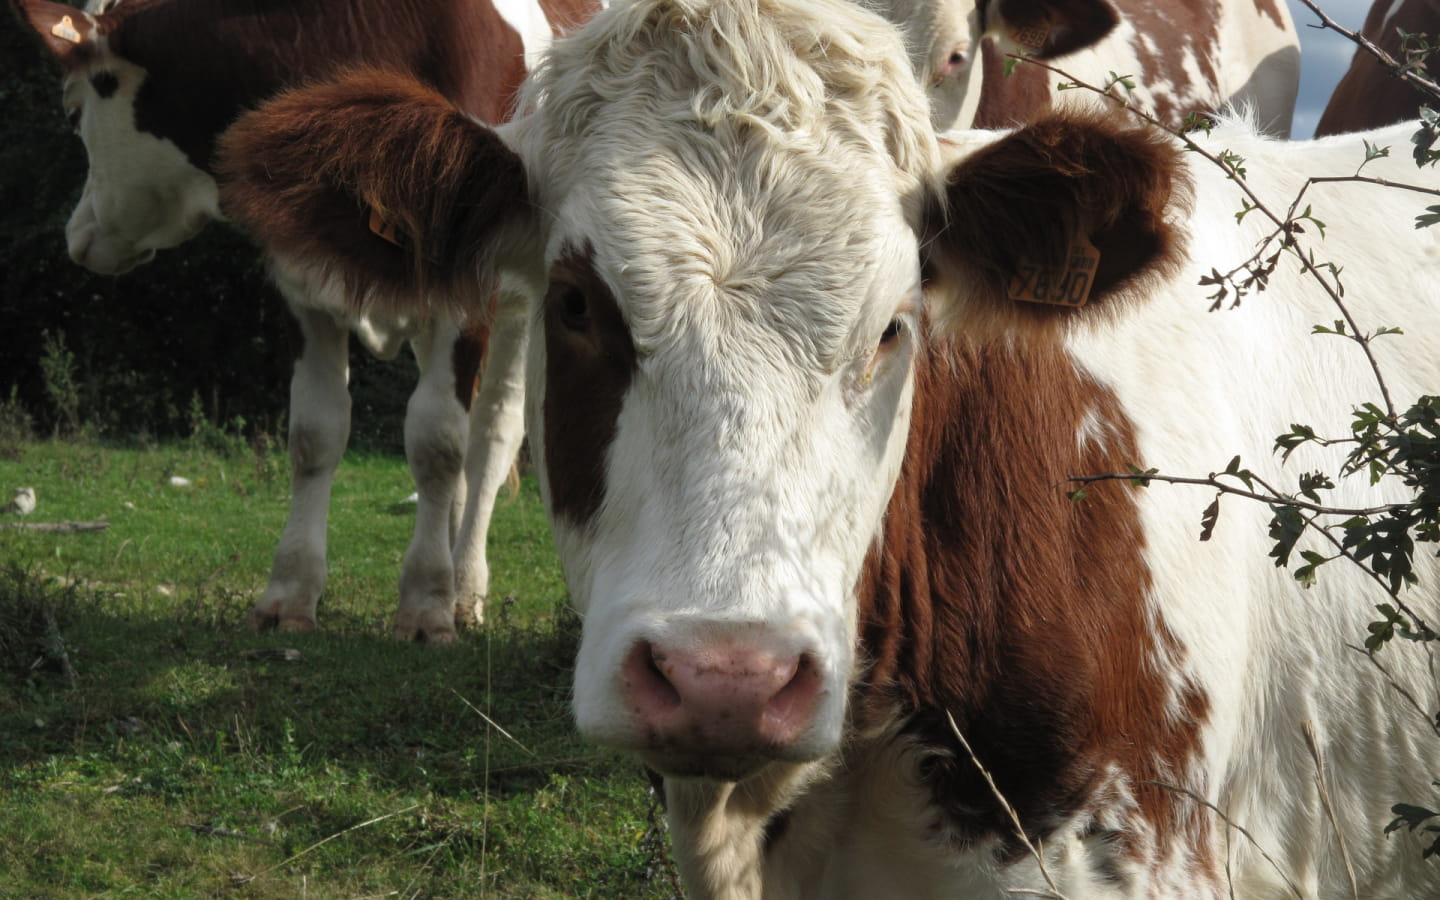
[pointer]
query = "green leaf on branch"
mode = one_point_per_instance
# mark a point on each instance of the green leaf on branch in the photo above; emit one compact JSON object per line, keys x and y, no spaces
{"x":1313,"y":482}
{"x":1209,"y":517}
{"x":1306,"y":573}
{"x":1285,"y":529}
{"x":1142,"y":476}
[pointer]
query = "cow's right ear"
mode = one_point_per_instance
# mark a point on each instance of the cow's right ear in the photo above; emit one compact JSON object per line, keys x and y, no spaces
{"x":70,"y":34}
{"x":377,"y":180}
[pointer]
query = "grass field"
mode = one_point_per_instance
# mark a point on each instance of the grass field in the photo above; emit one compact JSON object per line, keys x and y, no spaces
{"x":150,"y":747}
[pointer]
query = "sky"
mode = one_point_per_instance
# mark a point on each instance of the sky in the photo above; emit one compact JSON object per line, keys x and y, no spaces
{"x":1324,"y":56}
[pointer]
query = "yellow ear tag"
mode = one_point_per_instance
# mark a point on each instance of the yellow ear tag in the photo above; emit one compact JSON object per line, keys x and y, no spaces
{"x":65,"y":31}
{"x":384,"y":229}
{"x":1068,"y":285}
{"x":1031,"y":37}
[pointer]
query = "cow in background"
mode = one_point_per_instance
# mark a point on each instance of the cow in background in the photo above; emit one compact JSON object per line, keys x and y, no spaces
{"x":1185,"y":56}
{"x":805,"y":436}
{"x":1369,"y":95}
{"x":150,"y":85}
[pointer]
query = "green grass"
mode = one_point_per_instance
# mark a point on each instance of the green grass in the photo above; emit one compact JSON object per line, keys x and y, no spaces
{"x":188,"y":759}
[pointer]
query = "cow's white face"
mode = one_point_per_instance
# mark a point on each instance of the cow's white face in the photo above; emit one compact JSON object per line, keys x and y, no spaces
{"x":943,"y":38}
{"x":141,"y":193}
{"x":720,"y":401}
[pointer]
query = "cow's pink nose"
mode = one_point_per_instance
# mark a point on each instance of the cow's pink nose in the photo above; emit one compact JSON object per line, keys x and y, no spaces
{"x":729,"y":700}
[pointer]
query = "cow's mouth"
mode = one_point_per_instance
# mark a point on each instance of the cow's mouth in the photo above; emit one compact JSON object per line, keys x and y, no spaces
{"x":716,"y":767}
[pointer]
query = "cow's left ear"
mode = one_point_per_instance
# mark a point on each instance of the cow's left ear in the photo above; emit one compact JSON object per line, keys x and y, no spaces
{"x":69,"y":33}
{"x":1049,"y":28}
{"x":377,"y":179}
{"x":1062,"y":214}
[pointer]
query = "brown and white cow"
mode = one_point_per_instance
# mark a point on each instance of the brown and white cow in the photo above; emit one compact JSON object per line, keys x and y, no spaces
{"x":1184,"y":56}
{"x":1368,"y":94}
{"x":150,"y":86}
{"x":807,"y":459}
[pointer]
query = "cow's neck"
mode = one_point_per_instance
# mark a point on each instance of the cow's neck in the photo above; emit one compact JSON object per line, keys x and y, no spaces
{"x":1022,"y":613}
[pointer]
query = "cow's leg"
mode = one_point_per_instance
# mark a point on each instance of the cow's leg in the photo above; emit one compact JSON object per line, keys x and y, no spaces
{"x":497,"y":425}
{"x":319,"y":429}
{"x":435,"y":430}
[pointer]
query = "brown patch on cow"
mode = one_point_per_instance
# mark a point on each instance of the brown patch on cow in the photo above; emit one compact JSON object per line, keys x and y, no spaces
{"x":467,"y":357}
{"x":1068,"y":25}
{"x":589,"y":363}
{"x":1271,"y":9}
{"x":206,"y":65}
{"x":305,"y":171}
{"x":994,"y":598}
{"x":1021,"y":201}
{"x":1006,"y":102}
{"x":1368,"y":94}
{"x":1171,"y":41}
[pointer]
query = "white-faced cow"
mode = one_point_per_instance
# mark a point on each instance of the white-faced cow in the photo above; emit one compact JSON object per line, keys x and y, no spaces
{"x":807,"y":460}
{"x":1184,"y":56}
{"x":1368,"y":94}
{"x":149,"y":87}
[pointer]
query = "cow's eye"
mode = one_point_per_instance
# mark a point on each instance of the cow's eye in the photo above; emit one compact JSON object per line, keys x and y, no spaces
{"x":573,"y":309}
{"x":892,"y":332}
{"x":73,"y":117}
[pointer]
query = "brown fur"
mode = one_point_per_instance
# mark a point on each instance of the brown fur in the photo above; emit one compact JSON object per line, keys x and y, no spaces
{"x":1024,"y":198}
{"x":209,"y":60}
{"x":589,"y":356}
{"x":991,"y":595}
{"x":1084,"y":21}
{"x":1368,"y":95}
{"x":994,"y":598}
{"x":307,"y":168}
{"x":1006,"y":102}
{"x":467,"y":359}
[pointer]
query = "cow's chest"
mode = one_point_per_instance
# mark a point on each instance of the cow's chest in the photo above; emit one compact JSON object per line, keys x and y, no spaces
{"x":873,"y":828}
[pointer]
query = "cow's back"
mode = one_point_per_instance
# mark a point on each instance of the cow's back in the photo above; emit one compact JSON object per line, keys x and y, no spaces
{"x":1369,"y":95}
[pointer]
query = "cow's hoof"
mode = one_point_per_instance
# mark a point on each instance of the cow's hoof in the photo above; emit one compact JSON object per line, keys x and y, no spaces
{"x":470,"y":615}
{"x":435,"y":630}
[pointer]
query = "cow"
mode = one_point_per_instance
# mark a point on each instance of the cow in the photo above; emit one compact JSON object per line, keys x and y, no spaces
{"x":1195,"y":56}
{"x":150,"y":86}
{"x":1369,"y":95}
{"x":806,"y":442}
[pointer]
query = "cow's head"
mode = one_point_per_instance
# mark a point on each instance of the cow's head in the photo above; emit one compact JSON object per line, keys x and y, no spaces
{"x":945,"y":39}
{"x":142,"y":193}
{"x":726,"y":215}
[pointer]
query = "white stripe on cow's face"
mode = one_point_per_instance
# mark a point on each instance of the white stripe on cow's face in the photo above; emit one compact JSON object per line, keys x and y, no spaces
{"x":141,"y":193}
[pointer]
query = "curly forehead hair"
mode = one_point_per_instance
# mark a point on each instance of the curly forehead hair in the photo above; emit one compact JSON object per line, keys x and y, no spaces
{"x":793,"y":72}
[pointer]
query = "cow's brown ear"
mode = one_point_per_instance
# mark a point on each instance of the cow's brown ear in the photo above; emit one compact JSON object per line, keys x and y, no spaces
{"x":376,"y":179}
{"x":69,"y":33}
{"x":1055,"y":219}
{"x":1050,"y":28}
